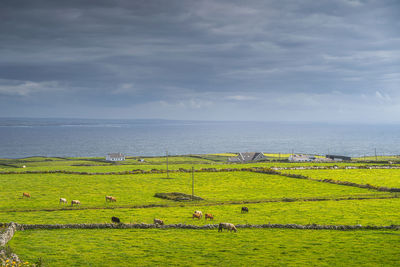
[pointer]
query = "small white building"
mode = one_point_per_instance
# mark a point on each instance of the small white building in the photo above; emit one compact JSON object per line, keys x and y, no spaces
{"x":301,"y":158}
{"x":115,"y":157}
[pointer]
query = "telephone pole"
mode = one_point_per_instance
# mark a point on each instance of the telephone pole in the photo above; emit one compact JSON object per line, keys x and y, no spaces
{"x":192,"y":183}
{"x":376,"y":157}
{"x":167,"y":165}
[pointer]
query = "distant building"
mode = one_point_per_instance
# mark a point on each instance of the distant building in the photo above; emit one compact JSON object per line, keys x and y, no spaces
{"x":115,"y":157}
{"x":337,"y":158}
{"x":301,"y":158}
{"x":247,"y":157}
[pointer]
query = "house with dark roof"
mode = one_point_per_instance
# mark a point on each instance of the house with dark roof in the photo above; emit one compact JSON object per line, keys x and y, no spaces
{"x":338,"y":158}
{"x":115,"y":157}
{"x":247,"y":157}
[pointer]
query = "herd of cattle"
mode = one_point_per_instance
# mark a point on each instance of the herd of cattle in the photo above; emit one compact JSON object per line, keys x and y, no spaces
{"x":197,"y":214}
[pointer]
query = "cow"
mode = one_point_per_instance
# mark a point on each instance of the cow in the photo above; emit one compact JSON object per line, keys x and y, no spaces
{"x":245,"y":209}
{"x":63,"y":200}
{"x":158,"y":221}
{"x":115,"y":220}
{"x":25,"y":194}
{"x":230,"y":227}
{"x":199,"y":213}
{"x":196,"y":215}
{"x":209,"y":216}
{"x":111,"y":199}
{"x":76,"y":202}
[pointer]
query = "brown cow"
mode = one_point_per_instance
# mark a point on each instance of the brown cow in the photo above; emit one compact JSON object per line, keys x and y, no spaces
{"x":209,"y":216}
{"x":196,"y":215}
{"x":25,"y":194}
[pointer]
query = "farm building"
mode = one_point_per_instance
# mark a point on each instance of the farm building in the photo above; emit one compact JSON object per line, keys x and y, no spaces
{"x":247,"y":157}
{"x":337,"y":158}
{"x":115,"y":157}
{"x":301,"y":158}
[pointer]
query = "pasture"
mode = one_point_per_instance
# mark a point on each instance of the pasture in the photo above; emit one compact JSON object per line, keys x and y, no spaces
{"x":153,"y":247}
{"x":270,"y":198}
{"x":376,"y":177}
{"x":43,"y":164}
{"x":139,"y":189}
{"x":346,"y":212}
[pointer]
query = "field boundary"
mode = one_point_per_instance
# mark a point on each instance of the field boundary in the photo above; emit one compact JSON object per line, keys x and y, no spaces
{"x":23,"y":227}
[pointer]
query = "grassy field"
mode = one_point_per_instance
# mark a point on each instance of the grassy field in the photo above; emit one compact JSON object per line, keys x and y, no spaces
{"x":264,"y":247}
{"x":376,"y":177}
{"x":224,"y":194}
{"x":46,"y":189}
{"x":346,"y":212}
{"x":100,"y":166}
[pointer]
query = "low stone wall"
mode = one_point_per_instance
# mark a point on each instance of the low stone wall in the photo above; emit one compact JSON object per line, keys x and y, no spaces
{"x":202,"y":227}
{"x":8,"y":234}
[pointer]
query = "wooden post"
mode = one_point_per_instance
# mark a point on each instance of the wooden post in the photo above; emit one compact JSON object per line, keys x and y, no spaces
{"x":192,"y":183}
{"x":167,"y":165}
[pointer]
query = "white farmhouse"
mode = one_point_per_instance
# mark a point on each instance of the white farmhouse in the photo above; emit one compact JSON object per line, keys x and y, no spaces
{"x":301,"y":158}
{"x":115,"y":157}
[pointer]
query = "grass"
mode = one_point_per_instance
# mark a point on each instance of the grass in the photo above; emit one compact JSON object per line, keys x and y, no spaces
{"x":346,"y":212}
{"x":376,"y":177}
{"x":264,"y":247}
{"x":46,"y":189}
{"x":188,"y":163}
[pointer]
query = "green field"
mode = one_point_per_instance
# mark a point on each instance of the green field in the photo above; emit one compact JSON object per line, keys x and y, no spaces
{"x":346,"y":212}
{"x":270,"y":198}
{"x":139,"y":189}
{"x":266,"y":247}
{"x":376,"y":177}
{"x":218,"y":161}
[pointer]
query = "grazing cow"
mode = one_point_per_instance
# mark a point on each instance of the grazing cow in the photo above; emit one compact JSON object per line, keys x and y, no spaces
{"x":199,"y":213}
{"x":115,"y":220}
{"x":209,"y":216}
{"x":76,"y":202}
{"x":111,"y":199}
{"x":230,"y":227}
{"x":25,"y":194}
{"x":245,"y":209}
{"x":158,"y":221}
{"x":196,"y":215}
{"x":63,"y":200}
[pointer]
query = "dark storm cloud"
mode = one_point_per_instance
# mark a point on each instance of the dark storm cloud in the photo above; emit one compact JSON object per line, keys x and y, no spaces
{"x":174,"y":58}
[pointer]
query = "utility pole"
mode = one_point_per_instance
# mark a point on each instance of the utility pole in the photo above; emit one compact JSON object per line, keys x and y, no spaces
{"x":376,"y":158}
{"x":167,"y":165}
{"x":192,"y":183}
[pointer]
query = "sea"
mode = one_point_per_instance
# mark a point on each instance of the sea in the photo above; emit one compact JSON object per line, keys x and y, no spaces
{"x":27,"y":137}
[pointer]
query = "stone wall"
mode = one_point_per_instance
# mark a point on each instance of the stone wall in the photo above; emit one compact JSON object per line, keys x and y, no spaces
{"x":8,"y":234}
{"x":202,"y":227}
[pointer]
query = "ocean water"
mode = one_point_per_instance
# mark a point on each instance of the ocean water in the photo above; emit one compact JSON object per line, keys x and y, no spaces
{"x":80,"y":138}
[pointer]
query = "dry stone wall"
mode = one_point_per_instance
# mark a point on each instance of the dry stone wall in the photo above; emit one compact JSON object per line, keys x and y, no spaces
{"x":202,"y":227}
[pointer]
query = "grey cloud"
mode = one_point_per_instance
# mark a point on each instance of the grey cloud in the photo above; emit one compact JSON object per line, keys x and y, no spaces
{"x":191,"y":51}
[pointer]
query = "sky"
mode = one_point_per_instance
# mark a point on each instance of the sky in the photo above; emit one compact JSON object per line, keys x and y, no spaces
{"x":258,"y":60}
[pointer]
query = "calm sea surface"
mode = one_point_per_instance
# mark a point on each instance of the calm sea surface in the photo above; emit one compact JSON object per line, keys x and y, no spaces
{"x":74,"y":137}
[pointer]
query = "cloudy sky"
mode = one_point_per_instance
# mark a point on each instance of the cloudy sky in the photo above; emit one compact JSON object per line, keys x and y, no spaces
{"x":269,"y":60}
